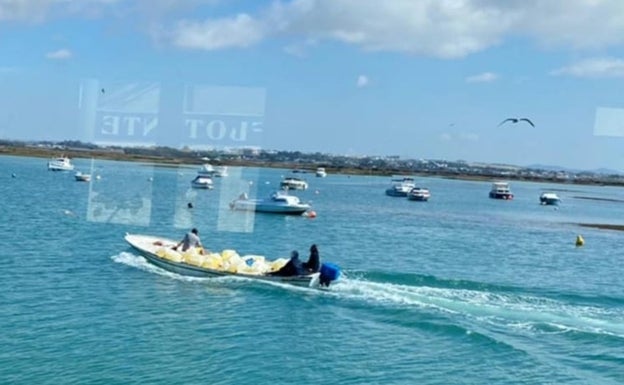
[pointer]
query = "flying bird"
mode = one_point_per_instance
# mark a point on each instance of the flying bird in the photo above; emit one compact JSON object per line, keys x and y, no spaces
{"x":516,"y":120}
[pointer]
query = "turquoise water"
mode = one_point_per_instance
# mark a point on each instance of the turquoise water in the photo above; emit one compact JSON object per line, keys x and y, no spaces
{"x":458,"y":290}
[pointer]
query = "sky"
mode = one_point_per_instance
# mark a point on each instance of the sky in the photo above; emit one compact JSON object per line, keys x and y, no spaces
{"x":428,"y":79}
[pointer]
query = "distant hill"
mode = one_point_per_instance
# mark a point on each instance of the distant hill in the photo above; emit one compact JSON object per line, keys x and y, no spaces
{"x":606,"y":171}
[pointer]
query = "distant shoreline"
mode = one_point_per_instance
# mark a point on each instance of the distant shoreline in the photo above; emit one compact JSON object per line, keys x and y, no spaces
{"x":602,"y":226}
{"x":168,"y":161}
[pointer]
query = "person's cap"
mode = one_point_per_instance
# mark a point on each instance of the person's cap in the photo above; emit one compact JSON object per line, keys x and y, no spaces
{"x":194,"y":231}
{"x":294,"y":254}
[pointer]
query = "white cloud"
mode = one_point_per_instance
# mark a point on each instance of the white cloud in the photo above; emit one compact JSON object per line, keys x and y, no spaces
{"x":468,"y":136}
{"x":485,"y":77}
{"x":362,"y":81}
{"x":239,"y":31}
{"x":594,"y":68}
{"x":38,"y":10}
{"x":461,"y":136}
{"x":446,"y":137}
{"x":61,"y":54}
{"x":435,"y":28}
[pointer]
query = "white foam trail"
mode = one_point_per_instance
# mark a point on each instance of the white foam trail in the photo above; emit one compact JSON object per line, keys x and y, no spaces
{"x":509,"y":310}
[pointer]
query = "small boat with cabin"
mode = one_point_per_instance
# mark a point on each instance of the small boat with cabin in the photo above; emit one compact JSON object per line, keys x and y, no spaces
{"x":206,"y":170}
{"x":501,"y":190}
{"x":550,"y":199}
{"x":279,"y":202}
{"x":61,"y":163}
{"x":202,"y":182}
{"x":420,"y":194}
{"x":400,"y":187}
{"x":320,"y":172}
{"x":80,"y":177}
{"x":292,"y":183}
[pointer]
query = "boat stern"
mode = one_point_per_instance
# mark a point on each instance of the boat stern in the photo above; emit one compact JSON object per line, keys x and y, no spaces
{"x":329,"y":273}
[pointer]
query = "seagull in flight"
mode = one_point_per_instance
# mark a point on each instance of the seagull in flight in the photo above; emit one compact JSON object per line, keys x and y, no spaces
{"x":516,"y":120}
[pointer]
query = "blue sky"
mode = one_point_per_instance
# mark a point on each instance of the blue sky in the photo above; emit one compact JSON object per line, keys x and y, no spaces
{"x":419,"y":79}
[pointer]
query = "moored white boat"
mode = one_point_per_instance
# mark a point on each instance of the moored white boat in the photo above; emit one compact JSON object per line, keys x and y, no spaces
{"x":549,"y":198}
{"x":159,"y":252}
{"x":292,"y":183}
{"x":206,"y":170}
{"x":419,"y":194}
{"x":400,"y":187}
{"x":220,"y":171}
{"x":278,"y":203}
{"x":80,"y":177}
{"x":202,"y":182}
{"x":320,"y":172}
{"x":501,"y":190}
{"x":62,"y":163}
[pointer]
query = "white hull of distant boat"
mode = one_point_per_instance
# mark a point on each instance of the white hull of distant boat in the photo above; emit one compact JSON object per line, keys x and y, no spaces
{"x":501,"y":190}
{"x":221,"y":171}
{"x":80,"y":177}
{"x":202,"y":182}
{"x":400,"y":187}
{"x":206,"y":170}
{"x":60,"y":164}
{"x":294,"y":184}
{"x":158,"y":251}
{"x":550,"y":199}
{"x":320,"y":172}
{"x":277,"y":203}
{"x":419,"y":194}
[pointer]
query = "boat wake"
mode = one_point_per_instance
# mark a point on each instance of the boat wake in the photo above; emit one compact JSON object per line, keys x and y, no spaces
{"x":509,"y":310}
{"x":529,"y":312}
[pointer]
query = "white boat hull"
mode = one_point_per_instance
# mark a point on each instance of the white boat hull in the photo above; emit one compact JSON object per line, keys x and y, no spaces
{"x":148,"y":246}
{"x":82,"y":177}
{"x":259,"y":205}
{"x":57,"y":165}
{"x":202,"y":182}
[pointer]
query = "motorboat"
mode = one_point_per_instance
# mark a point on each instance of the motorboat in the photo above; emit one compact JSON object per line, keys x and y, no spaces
{"x":400,"y":187}
{"x":549,"y":198}
{"x":202,"y":263}
{"x":201,"y":181}
{"x":220,"y":171}
{"x":419,"y":194}
{"x":62,"y":163}
{"x":279,"y":202}
{"x":320,"y":172}
{"x":292,"y":183}
{"x":80,"y":177}
{"x":501,"y":190}
{"x":206,"y":170}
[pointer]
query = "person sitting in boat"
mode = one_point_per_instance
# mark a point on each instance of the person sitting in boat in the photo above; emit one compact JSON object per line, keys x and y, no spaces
{"x":314,"y":263}
{"x":292,"y":267}
{"x":191,"y":239}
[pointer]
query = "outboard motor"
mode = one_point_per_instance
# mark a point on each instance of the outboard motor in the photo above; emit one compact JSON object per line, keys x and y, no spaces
{"x":329,"y":273}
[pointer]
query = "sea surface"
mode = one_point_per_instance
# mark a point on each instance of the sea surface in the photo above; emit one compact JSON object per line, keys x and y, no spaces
{"x":462,"y":289}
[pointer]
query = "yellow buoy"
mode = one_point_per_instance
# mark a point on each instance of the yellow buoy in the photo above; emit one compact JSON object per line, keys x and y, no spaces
{"x":579,"y":240}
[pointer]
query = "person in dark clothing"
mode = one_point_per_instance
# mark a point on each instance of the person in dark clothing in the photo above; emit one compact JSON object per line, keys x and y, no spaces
{"x":292,"y":267}
{"x":314,"y":263}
